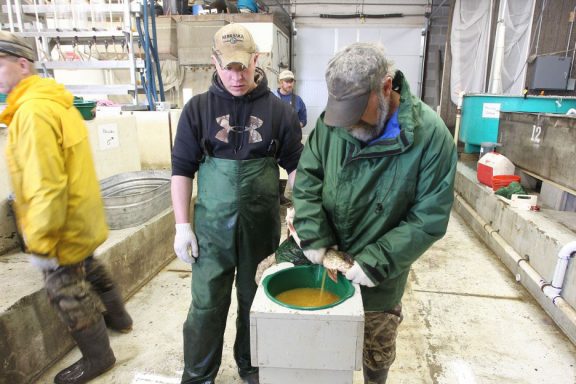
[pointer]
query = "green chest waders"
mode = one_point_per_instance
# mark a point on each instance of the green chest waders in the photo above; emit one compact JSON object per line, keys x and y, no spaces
{"x":237,"y":223}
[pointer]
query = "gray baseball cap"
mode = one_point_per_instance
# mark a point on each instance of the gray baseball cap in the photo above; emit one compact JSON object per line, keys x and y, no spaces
{"x":12,"y":45}
{"x":351,"y":75}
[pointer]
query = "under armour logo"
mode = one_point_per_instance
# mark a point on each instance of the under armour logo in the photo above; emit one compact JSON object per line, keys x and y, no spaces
{"x":253,"y":124}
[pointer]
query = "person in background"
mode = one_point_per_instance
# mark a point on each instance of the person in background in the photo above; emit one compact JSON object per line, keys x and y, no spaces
{"x":375,"y":180}
{"x":234,"y":137}
{"x":247,"y":6}
{"x":221,"y":6}
{"x":286,"y":93}
{"x":58,"y":206}
{"x":158,"y":9}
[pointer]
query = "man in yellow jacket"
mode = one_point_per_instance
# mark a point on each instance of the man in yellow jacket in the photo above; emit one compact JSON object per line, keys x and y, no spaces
{"x":58,"y":205}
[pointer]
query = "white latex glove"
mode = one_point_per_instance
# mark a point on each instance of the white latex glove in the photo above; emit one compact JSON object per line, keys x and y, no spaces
{"x":44,"y":263}
{"x":315,"y":255}
{"x":358,"y":276}
{"x":184,"y":241}
{"x":290,"y":212}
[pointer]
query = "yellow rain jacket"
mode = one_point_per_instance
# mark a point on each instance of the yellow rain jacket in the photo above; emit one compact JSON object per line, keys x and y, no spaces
{"x":57,"y":194}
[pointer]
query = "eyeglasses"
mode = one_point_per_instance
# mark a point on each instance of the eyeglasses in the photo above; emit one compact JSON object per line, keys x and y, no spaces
{"x":288,"y":80}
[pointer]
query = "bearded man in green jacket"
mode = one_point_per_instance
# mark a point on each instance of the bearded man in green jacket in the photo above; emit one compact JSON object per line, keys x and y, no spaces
{"x":376,"y":180}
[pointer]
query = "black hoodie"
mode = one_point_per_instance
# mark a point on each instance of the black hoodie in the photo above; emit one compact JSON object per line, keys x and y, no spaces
{"x":252,"y":126}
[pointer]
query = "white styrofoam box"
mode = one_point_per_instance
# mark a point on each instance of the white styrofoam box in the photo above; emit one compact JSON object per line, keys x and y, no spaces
{"x":523,"y":202}
{"x":287,"y":341}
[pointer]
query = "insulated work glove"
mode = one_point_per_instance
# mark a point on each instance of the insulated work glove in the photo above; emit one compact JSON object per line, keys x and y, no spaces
{"x":185,"y":243}
{"x":315,"y":255}
{"x":358,"y":276}
{"x":44,"y":263}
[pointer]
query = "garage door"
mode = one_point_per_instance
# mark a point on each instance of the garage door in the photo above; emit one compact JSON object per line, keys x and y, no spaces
{"x":314,"y":47}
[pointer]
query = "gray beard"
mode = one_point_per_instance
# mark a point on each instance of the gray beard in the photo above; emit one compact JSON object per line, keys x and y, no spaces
{"x":367,"y":132}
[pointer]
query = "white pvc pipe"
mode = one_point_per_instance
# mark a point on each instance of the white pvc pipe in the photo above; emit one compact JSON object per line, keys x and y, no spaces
{"x":458,"y":118}
{"x":522,"y":263}
{"x":457,"y":127}
{"x":553,"y":289}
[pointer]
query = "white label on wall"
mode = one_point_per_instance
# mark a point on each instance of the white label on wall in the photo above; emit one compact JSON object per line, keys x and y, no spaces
{"x":491,"y":110}
{"x":108,"y":136}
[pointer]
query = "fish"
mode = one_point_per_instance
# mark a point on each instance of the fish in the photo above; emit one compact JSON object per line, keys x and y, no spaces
{"x":337,"y":261}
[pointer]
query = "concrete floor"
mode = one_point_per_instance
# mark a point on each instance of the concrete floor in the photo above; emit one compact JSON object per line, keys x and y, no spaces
{"x":466,"y":322}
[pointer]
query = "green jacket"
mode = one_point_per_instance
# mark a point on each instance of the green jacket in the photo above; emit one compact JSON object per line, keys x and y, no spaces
{"x":385,"y":204}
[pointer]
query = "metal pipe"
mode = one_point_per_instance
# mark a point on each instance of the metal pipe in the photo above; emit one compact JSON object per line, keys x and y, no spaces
{"x":92,"y":15}
{"x":18,"y":7}
{"x":572,"y":16}
{"x":437,"y":8}
{"x":37,"y":19}
{"x":130,"y":47}
{"x":539,"y":27}
{"x":424,"y":44}
{"x":10,"y":18}
{"x":573,"y":53}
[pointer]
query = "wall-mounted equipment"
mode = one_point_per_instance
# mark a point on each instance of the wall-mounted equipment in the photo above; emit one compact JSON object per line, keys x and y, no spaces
{"x":551,"y":72}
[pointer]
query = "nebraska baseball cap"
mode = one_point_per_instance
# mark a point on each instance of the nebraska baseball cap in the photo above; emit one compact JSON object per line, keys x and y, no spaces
{"x":350,"y":78}
{"x":233,"y":43}
{"x":12,"y":45}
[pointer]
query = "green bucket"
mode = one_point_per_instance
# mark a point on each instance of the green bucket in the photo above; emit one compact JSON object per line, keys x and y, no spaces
{"x":306,"y":276}
{"x":87,"y":108}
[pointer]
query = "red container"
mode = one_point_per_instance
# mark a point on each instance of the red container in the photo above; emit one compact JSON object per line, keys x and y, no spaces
{"x":492,"y":164}
{"x":501,"y":181}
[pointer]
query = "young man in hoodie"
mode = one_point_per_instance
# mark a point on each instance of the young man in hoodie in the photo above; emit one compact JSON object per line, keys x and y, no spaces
{"x":58,"y":206}
{"x":234,"y":136}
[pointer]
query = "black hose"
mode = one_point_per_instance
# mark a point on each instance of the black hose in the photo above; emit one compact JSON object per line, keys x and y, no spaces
{"x":154,"y":49}
{"x":142,"y":77}
{"x":149,"y":71}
